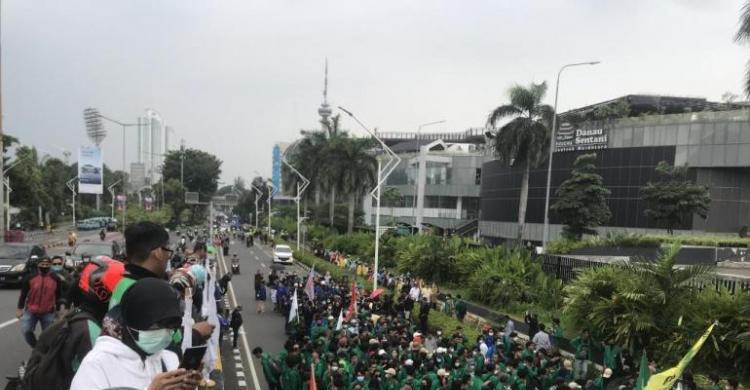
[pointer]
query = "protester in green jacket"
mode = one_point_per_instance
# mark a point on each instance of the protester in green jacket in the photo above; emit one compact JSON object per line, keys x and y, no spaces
{"x":270,"y":367}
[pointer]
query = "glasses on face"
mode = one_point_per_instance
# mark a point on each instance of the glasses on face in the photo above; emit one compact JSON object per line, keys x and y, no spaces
{"x":165,"y":249}
{"x":55,"y":264}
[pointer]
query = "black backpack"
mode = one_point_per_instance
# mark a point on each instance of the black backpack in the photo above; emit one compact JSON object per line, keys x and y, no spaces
{"x":47,"y":368}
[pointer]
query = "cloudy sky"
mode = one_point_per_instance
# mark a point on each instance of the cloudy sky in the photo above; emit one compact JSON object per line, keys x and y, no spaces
{"x":233,"y":77}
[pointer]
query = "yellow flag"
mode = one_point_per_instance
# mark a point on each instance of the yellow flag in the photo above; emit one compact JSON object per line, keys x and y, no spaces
{"x":667,"y":378}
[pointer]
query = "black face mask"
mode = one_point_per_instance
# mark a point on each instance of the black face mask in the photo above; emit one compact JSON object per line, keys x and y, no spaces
{"x":43,"y":270}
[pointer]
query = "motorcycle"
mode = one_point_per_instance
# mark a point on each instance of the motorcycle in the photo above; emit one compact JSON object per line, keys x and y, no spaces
{"x":235,"y":267}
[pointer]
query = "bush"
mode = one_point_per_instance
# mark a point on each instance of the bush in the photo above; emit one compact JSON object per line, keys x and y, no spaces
{"x":509,"y":278}
{"x":563,"y":247}
{"x":430,"y":257}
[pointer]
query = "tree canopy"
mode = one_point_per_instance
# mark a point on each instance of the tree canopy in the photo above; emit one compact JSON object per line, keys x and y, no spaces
{"x":582,"y":199}
{"x":674,"y":197}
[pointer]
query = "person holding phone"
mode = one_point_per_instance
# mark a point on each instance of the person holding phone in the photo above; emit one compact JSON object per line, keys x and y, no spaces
{"x":151,"y":314}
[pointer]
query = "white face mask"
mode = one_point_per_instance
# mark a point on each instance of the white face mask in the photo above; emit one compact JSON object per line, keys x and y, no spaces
{"x":153,"y":341}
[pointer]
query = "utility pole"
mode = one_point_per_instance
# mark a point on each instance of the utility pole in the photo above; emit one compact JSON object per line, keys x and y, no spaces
{"x":72,"y":187}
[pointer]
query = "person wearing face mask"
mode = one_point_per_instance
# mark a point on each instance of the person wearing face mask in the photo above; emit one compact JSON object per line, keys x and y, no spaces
{"x":138,"y":358}
{"x":66,"y":282}
{"x":148,"y":255}
{"x":53,"y":362}
{"x":36,"y":304}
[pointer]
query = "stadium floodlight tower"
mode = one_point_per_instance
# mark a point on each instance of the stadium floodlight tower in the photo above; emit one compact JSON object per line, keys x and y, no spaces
{"x":94,"y":128}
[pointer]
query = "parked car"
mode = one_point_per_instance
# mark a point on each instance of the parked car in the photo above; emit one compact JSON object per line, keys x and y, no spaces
{"x":90,"y":174}
{"x":92,"y":250}
{"x":16,"y":262}
{"x":87,"y":225}
{"x":282,"y":254}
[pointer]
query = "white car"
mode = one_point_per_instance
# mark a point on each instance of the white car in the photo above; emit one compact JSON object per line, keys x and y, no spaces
{"x":282,"y":254}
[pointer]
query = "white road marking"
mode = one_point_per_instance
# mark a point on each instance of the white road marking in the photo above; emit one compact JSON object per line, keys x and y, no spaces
{"x":241,"y":384}
{"x":245,"y":344}
{"x":9,"y":322}
{"x":256,"y":257}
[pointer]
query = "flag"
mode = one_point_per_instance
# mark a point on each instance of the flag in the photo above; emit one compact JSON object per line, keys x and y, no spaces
{"x":667,"y":378}
{"x":310,"y":285}
{"x":340,"y":322}
{"x":352,"y":304}
{"x":643,"y":373}
{"x":312,"y":385}
{"x":293,"y":311}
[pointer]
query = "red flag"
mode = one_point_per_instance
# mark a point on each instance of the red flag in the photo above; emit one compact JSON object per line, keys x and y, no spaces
{"x":353,"y":303}
{"x":312,"y":385}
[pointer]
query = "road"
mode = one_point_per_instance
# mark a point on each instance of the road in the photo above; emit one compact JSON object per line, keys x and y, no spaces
{"x":265,"y":330}
{"x":14,"y":348}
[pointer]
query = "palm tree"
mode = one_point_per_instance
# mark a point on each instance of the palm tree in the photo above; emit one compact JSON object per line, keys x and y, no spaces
{"x":524,"y":140}
{"x":355,"y":167}
{"x":743,"y":35}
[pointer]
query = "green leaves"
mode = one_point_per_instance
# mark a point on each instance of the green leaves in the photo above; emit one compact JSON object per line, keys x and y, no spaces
{"x":674,"y":197}
{"x":582,"y":199}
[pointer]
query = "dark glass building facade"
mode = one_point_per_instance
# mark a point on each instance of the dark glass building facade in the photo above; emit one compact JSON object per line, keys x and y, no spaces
{"x":714,"y":145}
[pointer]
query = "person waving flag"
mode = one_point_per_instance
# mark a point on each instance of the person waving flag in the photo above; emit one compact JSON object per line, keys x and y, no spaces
{"x":310,"y":285}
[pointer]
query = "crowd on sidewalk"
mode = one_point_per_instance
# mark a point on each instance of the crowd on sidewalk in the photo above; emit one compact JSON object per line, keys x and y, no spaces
{"x":342,"y":336}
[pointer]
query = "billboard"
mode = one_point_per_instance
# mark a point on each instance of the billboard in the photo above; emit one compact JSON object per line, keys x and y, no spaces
{"x":120,"y":202}
{"x":137,"y":175}
{"x":276,"y":168}
{"x":570,"y":138}
{"x":90,"y":170}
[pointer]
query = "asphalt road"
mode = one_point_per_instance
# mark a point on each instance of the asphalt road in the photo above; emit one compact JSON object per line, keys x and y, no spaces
{"x":13,"y":349}
{"x":265,"y":330}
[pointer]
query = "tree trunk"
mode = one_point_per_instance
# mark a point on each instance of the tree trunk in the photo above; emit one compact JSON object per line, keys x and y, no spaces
{"x":332,"y":206}
{"x":317,"y":196}
{"x":350,"y":217}
{"x":523,"y":200}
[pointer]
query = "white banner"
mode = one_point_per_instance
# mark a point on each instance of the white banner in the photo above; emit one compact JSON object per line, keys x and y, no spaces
{"x":90,"y":172}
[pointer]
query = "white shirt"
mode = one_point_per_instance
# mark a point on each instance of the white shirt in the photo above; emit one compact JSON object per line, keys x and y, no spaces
{"x":112,"y":364}
{"x":510,"y":326}
{"x":414,"y":293}
{"x":541,"y":339}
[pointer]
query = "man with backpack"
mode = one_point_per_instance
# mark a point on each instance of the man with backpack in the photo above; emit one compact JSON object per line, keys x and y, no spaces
{"x":61,"y":347}
{"x":36,"y":304}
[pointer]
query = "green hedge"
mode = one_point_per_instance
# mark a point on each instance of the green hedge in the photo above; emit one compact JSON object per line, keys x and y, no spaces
{"x":630,"y":240}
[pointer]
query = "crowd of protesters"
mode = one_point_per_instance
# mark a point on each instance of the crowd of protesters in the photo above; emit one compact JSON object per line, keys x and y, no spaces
{"x":346,"y":339}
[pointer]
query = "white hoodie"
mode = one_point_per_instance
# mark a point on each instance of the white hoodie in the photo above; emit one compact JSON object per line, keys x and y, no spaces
{"x":112,"y":364}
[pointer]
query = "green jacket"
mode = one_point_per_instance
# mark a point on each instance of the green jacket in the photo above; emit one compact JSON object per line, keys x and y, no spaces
{"x":291,"y":379}
{"x":268,"y":368}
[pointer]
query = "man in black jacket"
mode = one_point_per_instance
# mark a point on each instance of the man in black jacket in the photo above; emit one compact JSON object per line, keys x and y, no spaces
{"x":235,"y":323}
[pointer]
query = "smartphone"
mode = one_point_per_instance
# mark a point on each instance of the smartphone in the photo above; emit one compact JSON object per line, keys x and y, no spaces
{"x":192,"y":358}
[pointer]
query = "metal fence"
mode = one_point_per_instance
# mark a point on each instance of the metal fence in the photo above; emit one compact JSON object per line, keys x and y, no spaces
{"x":565,"y":269}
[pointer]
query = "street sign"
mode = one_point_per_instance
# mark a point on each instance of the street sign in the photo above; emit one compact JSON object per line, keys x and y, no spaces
{"x":192,"y":198}
{"x":230,"y":200}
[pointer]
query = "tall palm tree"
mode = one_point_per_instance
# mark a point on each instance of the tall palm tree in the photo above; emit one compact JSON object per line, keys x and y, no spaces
{"x":743,"y":35}
{"x":356,"y":171}
{"x":524,"y":140}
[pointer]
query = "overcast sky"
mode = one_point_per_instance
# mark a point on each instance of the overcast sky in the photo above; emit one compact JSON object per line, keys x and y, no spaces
{"x":233,"y":77}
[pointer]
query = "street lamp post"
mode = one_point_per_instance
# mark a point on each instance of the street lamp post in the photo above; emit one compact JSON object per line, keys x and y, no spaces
{"x":111,"y":190}
{"x":301,"y":187}
{"x":545,"y":236}
{"x":416,"y":177}
{"x":383,"y":173}
{"x":270,"y":193}
{"x":258,"y":194}
{"x":72,"y":187}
